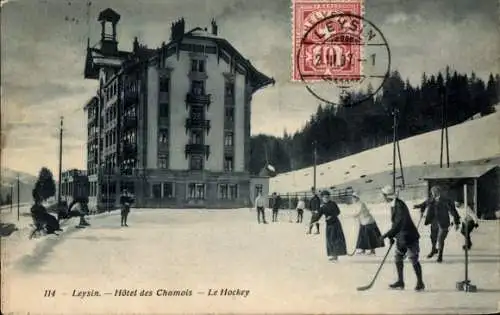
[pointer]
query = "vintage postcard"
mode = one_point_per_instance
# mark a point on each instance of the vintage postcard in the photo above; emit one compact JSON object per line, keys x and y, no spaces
{"x":250,"y":157}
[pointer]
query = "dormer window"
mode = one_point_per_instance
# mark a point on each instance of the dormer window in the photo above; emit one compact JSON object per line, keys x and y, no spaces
{"x":198,"y":65}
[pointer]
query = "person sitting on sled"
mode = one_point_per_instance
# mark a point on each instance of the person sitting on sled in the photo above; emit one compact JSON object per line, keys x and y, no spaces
{"x":369,"y":233}
{"x":38,"y":212}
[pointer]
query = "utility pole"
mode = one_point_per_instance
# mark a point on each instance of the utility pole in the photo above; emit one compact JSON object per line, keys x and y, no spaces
{"x":315,"y":160}
{"x":394,"y":140}
{"x":11,"y":196}
{"x":60,"y":164}
{"x":18,"y":199}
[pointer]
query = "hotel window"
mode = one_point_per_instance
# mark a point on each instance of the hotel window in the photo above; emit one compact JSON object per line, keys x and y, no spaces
{"x":163,"y":136}
{"x":229,"y":114}
{"x":198,"y":87}
{"x":196,"y":191}
{"x":229,"y":89}
{"x":223,"y":191}
{"x":164,"y":84}
{"x":228,"y":139}
{"x":162,"y":161}
{"x":196,"y":112}
{"x":196,"y":137}
{"x":197,"y":65}
{"x":258,"y":189}
{"x":168,"y":190}
{"x":233,"y":191}
{"x":163,"y":109}
{"x":156,"y":191}
{"x":196,"y":162}
{"x":228,"y":164}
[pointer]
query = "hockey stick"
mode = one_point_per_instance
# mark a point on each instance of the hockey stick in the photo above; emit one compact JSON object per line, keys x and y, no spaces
{"x":368,"y":286}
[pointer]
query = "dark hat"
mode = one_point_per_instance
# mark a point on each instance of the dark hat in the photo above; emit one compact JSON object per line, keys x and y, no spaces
{"x":325,"y":193}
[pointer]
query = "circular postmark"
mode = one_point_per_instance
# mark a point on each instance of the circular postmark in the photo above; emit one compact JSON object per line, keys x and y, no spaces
{"x":346,"y":52}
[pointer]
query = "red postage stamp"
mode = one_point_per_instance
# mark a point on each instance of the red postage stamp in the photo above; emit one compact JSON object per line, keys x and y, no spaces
{"x":327,"y":40}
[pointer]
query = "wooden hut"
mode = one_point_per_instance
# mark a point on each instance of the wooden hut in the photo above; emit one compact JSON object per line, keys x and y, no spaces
{"x":482,"y":182}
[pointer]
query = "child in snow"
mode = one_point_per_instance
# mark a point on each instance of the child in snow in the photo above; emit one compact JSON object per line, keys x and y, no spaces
{"x":126,"y":200}
{"x":469,"y":222}
{"x":369,"y":233}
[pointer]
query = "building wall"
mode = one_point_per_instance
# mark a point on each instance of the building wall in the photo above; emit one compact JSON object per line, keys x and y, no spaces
{"x":239,"y":120}
{"x":152,"y":114}
{"x":179,"y":86}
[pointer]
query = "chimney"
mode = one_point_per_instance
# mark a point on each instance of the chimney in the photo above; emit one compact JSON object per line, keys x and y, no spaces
{"x":214,"y":27}
{"x":136,"y":44}
{"x":177,"y":30}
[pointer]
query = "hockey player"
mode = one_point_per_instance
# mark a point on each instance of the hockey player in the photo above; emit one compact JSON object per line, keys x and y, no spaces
{"x":314,"y":205}
{"x":407,"y":239}
{"x":300,"y":209}
{"x":369,"y":233}
{"x":126,"y":200}
{"x":335,"y":239}
{"x":260,"y":206}
{"x":469,"y":222}
{"x":276,"y":204}
{"x":438,"y":216}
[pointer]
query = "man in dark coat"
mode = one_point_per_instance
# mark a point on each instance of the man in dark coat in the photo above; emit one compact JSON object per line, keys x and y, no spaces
{"x":335,"y":239}
{"x":314,"y":205}
{"x":126,"y":200}
{"x":407,"y":239}
{"x":438,"y":216}
{"x":276,"y":204}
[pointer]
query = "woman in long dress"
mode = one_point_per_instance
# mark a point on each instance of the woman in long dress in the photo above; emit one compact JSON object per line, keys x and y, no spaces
{"x":335,"y":239}
{"x":369,"y":233}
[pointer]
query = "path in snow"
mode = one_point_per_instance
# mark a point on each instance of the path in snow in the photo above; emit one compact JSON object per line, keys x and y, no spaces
{"x":285,"y":270}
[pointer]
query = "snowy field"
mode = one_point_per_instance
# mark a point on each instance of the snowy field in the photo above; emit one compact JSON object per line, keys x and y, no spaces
{"x":199,"y":251}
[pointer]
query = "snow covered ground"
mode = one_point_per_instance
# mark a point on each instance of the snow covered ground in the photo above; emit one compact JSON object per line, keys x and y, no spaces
{"x":197,"y":251}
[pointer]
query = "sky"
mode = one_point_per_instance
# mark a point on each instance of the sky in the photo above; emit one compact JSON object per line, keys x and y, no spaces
{"x":43,"y":51}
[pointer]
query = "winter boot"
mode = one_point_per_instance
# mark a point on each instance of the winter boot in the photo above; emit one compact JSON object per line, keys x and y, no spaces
{"x":400,"y":283}
{"x":433,"y":252}
{"x":440,"y":256}
{"x":418,"y":272}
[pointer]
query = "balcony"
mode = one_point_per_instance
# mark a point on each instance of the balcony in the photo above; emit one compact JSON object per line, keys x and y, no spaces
{"x":130,"y":98}
{"x":129,"y":150}
{"x":196,"y":148}
{"x":197,"y":124}
{"x":197,"y":75}
{"x":129,"y":122}
{"x":228,"y":150}
{"x":203,"y":99}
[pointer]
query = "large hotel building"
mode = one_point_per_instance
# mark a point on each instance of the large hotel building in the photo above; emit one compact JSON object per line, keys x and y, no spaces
{"x":172,"y":124}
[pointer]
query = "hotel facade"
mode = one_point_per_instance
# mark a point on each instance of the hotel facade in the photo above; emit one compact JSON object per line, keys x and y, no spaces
{"x":171,"y":124}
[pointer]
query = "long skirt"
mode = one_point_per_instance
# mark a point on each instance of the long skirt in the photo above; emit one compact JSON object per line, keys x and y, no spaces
{"x":335,"y":239}
{"x":369,"y":237}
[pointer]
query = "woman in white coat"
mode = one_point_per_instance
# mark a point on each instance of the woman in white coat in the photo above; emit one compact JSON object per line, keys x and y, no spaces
{"x":369,"y":236}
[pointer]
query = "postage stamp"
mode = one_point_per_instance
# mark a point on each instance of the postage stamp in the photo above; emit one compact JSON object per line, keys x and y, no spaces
{"x":327,"y":40}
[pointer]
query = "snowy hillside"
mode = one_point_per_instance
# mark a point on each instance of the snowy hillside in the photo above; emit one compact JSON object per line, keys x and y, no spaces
{"x":472,"y":140}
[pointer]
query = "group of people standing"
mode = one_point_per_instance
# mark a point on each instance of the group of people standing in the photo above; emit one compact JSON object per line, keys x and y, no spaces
{"x":403,"y":231}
